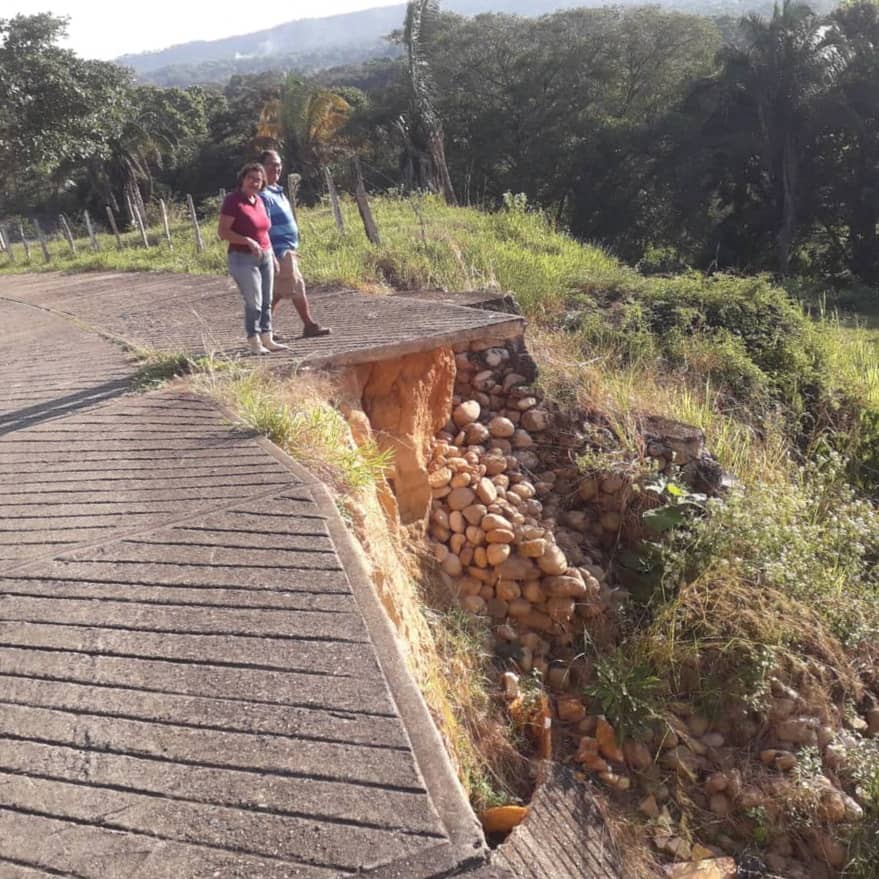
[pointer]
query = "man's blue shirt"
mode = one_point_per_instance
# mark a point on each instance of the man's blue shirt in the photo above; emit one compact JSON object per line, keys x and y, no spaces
{"x":284,"y":234}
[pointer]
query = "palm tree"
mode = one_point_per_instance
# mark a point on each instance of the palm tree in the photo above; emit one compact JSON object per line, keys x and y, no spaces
{"x":782,"y":70}
{"x":147,"y":135}
{"x":423,"y":132}
{"x":305,"y":123}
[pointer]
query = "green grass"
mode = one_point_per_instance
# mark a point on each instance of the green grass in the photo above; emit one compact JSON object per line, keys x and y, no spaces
{"x":425,"y":244}
{"x":156,"y":368}
{"x":311,"y":431}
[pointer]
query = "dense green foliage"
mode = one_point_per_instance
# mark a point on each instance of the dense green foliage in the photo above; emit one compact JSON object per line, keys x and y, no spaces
{"x":674,"y":139}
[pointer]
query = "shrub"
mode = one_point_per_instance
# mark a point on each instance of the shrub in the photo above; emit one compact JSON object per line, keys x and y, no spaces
{"x":744,"y":333}
{"x":813,"y":540}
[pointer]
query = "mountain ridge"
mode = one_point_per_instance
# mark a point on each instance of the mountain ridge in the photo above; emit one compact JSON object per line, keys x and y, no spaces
{"x":312,"y":44}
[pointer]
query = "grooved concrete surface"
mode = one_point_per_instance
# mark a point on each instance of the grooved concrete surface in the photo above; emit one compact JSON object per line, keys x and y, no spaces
{"x":195,"y":677}
{"x":564,"y":835}
{"x":200,"y":314}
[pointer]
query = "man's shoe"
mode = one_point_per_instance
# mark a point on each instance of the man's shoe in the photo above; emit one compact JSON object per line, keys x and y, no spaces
{"x":312,"y":330}
{"x":256,"y":346}
{"x":270,"y":344}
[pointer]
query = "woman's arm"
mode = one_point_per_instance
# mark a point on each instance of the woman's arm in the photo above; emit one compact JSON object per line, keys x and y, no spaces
{"x":226,"y":233}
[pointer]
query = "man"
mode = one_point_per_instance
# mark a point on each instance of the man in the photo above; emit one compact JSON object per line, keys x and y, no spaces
{"x":284,"y":235}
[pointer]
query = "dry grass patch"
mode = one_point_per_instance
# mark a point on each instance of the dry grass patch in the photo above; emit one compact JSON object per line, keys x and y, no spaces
{"x":723,"y":638}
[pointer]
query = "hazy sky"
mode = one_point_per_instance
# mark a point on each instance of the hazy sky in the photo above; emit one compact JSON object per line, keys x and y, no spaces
{"x":99,"y":29}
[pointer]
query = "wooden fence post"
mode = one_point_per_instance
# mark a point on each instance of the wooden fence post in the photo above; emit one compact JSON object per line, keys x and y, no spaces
{"x":136,"y":219}
{"x":334,"y":200}
{"x":165,"y":222}
{"x":129,"y":206}
{"x":293,"y":181}
{"x":68,"y":234}
{"x":93,"y":241}
{"x":8,"y":242}
{"x":199,"y":241}
{"x":3,"y":247}
{"x":363,"y":205}
{"x":141,"y":225}
{"x":42,"y":239}
{"x":27,"y":247}
{"x":114,"y":227}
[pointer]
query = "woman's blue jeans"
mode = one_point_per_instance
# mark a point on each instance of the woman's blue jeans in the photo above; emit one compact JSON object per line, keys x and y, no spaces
{"x":254,"y":276}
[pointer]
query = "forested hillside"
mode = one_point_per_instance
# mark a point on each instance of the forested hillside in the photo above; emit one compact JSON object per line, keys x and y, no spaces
{"x":313,"y":44}
{"x":672,"y":139}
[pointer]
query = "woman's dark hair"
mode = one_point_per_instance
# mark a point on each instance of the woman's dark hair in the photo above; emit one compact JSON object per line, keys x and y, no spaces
{"x":246,"y":169}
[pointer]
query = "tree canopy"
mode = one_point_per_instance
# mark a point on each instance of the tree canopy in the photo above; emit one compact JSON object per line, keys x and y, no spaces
{"x":672,"y":138}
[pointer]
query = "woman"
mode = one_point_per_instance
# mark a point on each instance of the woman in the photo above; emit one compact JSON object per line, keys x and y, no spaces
{"x":244,"y":223}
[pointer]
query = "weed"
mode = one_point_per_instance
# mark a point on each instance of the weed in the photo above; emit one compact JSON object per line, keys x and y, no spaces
{"x":809,"y":766}
{"x":627,"y":690}
{"x":344,"y":510}
{"x":678,"y":504}
{"x":156,"y":368}
{"x":862,"y":763}
{"x":801,"y":800}
{"x":862,"y":768}
{"x":761,"y":830}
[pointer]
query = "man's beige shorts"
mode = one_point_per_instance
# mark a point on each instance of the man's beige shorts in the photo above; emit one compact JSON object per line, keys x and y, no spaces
{"x":290,"y":282}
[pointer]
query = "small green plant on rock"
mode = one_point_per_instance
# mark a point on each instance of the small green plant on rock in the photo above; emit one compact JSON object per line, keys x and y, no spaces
{"x":627,"y":691}
{"x":678,"y":504}
{"x":761,"y":830}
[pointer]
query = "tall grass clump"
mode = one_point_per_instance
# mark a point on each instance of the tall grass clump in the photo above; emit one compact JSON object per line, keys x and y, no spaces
{"x":776,"y":580}
{"x":811,"y":538}
{"x":300,"y":420}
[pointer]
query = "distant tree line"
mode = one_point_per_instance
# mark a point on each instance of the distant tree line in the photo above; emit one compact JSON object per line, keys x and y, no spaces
{"x":674,"y":139}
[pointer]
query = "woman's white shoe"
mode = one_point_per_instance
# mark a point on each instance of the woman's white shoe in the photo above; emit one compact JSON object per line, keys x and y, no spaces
{"x":270,"y":344}
{"x":256,"y":346}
